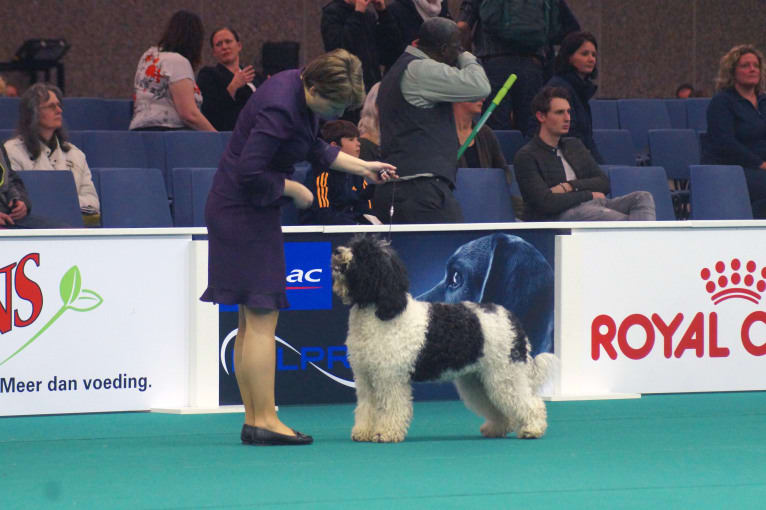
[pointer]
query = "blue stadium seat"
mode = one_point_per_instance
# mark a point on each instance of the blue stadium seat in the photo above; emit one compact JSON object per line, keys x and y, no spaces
{"x":674,"y":150}
{"x":626,"y":179}
{"x":9,"y":112}
{"x":191,"y":187}
{"x":719,"y":192}
{"x":696,"y":113}
{"x":81,"y":113}
{"x":6,"y":134}
{"x":483,"y":195}
{"x":677,"y":112}
{"x":119,"y":113}
{"x":302,"y":169}
{"x":119,"y":149}
{"x":53,"y":195}
{"x":639,"y":116}
{"x":510,"y":142}
{"x":133,"y":197}
{"x":615,"y":146}
{"x":604,"y":114}
{"x":76,"y":138}
{"x":191,"y":149}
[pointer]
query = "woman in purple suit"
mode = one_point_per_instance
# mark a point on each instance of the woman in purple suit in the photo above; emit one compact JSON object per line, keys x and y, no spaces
{"x":277,"y":128}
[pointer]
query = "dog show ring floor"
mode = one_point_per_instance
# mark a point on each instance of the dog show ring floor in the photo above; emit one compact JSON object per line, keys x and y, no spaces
{"x":693,"y":451}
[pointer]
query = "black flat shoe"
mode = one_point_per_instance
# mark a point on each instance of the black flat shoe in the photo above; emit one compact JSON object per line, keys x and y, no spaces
{"x":264,"y":437}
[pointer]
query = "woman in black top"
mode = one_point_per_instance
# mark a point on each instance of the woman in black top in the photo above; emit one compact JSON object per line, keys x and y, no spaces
{"x":736,"y":120}
{"x":227,"y":86}
{"x":575,"y":69}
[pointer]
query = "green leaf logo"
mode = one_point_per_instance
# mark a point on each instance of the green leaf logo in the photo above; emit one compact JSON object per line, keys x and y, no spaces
{"x":74,"y":298}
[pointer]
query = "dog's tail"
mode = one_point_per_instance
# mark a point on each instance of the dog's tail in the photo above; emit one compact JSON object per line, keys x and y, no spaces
{"x":540,"y":366}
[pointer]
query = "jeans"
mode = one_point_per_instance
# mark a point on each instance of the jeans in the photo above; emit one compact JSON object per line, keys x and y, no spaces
{"x":636,"y":206}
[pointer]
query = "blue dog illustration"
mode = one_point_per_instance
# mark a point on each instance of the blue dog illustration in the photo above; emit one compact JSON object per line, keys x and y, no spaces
{"x":508,"y":271}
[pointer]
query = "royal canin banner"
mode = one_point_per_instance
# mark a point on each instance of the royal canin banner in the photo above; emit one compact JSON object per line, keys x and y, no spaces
{"x":663,"y":311}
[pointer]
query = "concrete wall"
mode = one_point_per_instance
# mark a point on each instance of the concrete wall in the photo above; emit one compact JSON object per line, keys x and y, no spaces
{"x":647,"y":47}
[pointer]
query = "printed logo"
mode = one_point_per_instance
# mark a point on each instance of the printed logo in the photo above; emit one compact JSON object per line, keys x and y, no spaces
{"x":730,"y":282}
{"x":637,"y":334}
{"x":73,"y":296}
{"x":309,"y":356}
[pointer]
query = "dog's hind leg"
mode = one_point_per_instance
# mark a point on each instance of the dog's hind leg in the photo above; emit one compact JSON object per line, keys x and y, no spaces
{"x":363,"y":414}
{"x":474,"y":396}
{"x":510,"y":390}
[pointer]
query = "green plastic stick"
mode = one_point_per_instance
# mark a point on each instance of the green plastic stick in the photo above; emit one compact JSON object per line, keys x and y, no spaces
{"x":499,"y":97}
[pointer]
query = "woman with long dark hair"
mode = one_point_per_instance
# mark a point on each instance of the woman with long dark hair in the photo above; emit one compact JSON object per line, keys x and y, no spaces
{"x":574,"y":70}
{"x":166,"y":96}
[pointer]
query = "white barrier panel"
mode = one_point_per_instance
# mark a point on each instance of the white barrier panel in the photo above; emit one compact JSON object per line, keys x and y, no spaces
{"x":661,"y":311}
{"x":93,"y":324}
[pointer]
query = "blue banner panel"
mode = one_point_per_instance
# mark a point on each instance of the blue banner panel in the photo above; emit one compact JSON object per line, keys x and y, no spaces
{"x":510,"y":268}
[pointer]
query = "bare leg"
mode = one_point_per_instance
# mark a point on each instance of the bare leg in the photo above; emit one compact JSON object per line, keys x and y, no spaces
{"x":255,"y":358}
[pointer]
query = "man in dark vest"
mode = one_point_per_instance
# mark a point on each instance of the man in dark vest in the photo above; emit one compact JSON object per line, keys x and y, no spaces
{"x":417,"y":125}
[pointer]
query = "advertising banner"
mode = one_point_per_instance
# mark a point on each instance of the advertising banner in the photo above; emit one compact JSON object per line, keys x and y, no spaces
{"x":511,"y":268}
{"x":91,"y":324}
{"x":664,"y":311}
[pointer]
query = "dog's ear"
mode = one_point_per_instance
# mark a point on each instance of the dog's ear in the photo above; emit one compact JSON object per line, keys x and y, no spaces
{"x":377,"y":276}
{"x":520,"y":279}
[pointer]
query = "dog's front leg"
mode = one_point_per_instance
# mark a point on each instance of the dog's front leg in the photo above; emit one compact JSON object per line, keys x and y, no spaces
{"x":393,"y":411}
{"x":363,"y":414}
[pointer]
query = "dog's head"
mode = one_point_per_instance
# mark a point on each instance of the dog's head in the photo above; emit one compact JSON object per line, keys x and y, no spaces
{"x":369,"y":272}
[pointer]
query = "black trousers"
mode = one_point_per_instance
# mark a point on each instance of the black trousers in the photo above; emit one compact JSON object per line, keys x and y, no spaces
{"x":421,"y":200}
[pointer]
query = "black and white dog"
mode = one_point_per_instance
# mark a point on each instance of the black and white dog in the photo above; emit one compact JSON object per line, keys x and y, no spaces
{"x":394,"y":340}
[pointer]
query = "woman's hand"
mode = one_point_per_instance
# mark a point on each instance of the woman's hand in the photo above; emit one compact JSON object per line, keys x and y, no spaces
{"x":242,"y":77}
{"x":378,"y":172}
{"x":300,"y":194}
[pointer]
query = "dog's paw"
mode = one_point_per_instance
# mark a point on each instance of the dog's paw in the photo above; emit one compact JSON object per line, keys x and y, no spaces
{"x":494,"y":429}
{"x":531,"y":431}
{"x":361,"y":435}
{"x":388,"y":437}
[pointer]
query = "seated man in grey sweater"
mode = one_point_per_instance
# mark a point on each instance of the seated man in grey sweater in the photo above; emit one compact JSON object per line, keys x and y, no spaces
{"x":560,"y":180}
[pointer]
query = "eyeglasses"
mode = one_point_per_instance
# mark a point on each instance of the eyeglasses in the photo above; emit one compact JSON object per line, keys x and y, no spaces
{"x":52,"y":106}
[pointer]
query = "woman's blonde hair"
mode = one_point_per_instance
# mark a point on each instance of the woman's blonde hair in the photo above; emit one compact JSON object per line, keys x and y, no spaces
{"x":369,"y":120}
{"x":728,"y":66}
{"x":336,"y":76}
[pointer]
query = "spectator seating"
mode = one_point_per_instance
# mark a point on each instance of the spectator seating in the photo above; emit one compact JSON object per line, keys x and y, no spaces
{"x":604,"y":114}
{"x":5,"y":134}
{"x":615,"y":146}
{"x":92,"y":113}
{"x":719,"y":192}
{"x":191,"y":149}
{"x":674,"y":150}
{"x":676,"y":112}
{"x":483,"y":195}
{"x":9,"y":112}
{"x":191,"y":186}
{"x":132,"y":197}
{"x":639,"y":116}
{"x":120,"y":149}
{"x":53,"y":195}
{"x":626,"y":179}
{"x":510,"y":142}
{"x":696,"y":113}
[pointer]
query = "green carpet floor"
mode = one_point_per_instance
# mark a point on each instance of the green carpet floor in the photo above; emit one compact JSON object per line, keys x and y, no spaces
{"x":665,"y":451}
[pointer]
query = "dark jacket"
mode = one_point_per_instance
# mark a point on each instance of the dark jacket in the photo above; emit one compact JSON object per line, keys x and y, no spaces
{"x":581,"y":125}
{"x":369,"y":35}
{"x":488,"y":152}
{"x":339,"y":199}
{"x":11,"y":186}
{"x":538,"y":168}
{"x":408,"y":21}
{"x":736,"y":130}
{"x":217,"y":105}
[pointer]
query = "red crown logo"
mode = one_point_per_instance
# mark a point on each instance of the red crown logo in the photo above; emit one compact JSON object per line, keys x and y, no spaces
{"x":731,"y":283}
